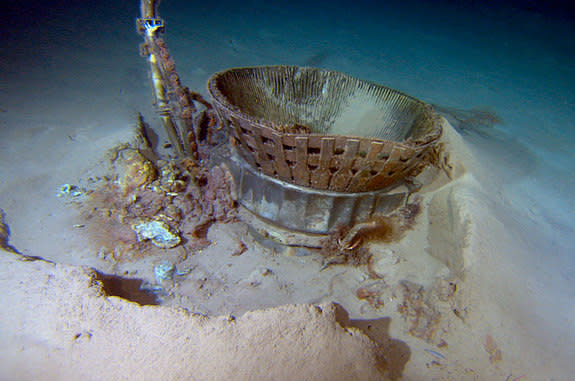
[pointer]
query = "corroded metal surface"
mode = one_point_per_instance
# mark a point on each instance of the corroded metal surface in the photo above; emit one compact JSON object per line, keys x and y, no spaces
{"x":322,"y":129}
{"x":295,"y":209}
{"x":177,"y":105}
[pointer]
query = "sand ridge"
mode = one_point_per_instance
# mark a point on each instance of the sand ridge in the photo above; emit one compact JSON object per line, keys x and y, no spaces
{"x":65,"y":321}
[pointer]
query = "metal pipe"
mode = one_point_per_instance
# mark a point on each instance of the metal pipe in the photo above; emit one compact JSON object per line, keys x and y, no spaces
{"x":149,"y":25}
{"x":148,"y":8}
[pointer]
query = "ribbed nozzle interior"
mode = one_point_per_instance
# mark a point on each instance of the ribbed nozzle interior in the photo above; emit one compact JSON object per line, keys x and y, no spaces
{"x":324,"y":101}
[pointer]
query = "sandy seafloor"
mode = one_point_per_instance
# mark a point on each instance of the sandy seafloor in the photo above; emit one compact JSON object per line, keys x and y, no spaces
{"x":72,"y":83}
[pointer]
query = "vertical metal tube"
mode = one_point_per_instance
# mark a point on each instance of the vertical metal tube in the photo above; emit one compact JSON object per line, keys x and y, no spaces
{"x":162,"y":101}
{"x":148,"y":10}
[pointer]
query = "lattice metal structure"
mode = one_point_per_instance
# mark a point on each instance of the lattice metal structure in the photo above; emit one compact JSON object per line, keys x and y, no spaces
{"x":323,"y":129}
